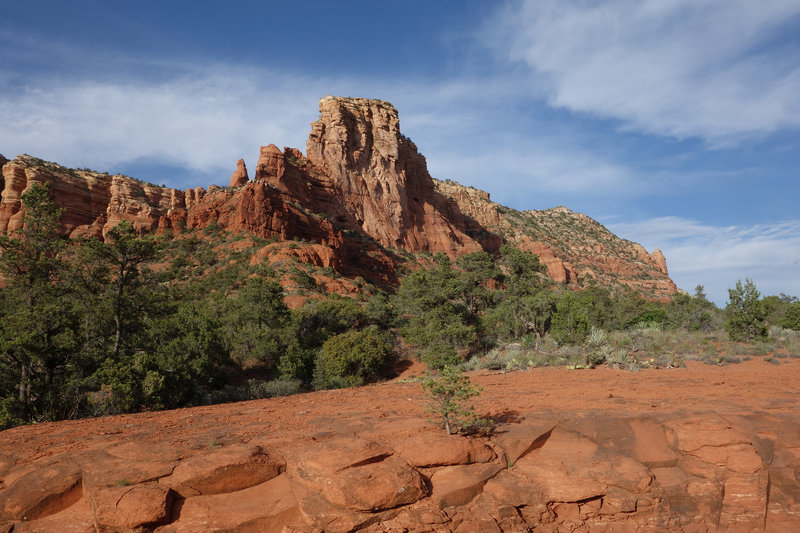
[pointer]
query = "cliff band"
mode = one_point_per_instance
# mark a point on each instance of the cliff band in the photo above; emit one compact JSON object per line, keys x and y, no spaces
{"x":362,"y":193}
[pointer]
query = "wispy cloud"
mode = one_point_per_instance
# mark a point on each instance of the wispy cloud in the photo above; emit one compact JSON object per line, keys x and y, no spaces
{"x":204,"y":118}
{"x":718,"y":256}
{"x":515,"y":171}
{"x":679,"y":68}
{"x":201,"y":122}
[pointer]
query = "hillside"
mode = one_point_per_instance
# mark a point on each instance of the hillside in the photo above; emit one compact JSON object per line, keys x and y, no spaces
{"x":362,"y":195}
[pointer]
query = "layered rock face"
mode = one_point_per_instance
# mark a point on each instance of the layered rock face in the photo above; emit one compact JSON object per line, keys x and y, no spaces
{"x":571,"y":245}
{"x":363,"y":187}
{"x":372,"y":179}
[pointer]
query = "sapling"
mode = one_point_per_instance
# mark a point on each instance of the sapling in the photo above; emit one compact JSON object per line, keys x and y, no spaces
{"x":447,"y":390}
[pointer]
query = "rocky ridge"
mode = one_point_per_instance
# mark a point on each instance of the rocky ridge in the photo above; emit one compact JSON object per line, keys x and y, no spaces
{"x":571,"y":245}
{"x":363,"y":192}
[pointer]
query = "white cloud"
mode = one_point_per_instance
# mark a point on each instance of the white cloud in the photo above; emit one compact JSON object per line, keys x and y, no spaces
{"x":679,"y":68}
{"x":204,"y":119}
{"x":521,"y":169}
{"x":717,"y":256}
{"x":203,"y":122}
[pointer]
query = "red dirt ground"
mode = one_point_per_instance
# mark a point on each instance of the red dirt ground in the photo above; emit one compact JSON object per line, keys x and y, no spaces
{"x":763,"y":397}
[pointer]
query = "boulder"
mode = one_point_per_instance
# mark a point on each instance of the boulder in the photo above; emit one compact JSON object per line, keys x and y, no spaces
{"x":457,"y":485}
{"x":42,"y":490}
{"x":224,"y":469}
{"x":130,"y":507}
{"x":375,"y":486}
{"x":276,"y":508}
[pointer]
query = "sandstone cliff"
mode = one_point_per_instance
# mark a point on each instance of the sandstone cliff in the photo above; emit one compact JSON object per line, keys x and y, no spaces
{"x":574,"y":247}
{"x":362,"y":191}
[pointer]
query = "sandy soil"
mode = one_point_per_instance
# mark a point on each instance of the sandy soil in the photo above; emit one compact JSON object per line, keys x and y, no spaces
{"x":752,"y":389}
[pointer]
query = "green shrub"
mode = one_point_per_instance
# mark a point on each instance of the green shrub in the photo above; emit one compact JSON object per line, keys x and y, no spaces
{"x":352,"y":358}
{"x":746,"y":314}
{"x":258,"y":389}
{"x":10,"y":413}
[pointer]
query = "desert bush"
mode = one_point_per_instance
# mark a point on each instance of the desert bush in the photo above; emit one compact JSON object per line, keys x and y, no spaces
{"x":746,"y":313}
{"x":257,"y":389}
{"x":226,"y":394}
{"x":570,"y":323}
{"x":597,"y":337}
{"x":352,"y":358}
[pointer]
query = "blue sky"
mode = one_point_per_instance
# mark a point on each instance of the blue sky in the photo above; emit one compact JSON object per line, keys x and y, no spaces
{"x":675,"y":123}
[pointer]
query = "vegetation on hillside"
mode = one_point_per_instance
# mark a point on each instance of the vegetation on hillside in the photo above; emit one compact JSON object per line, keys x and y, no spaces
{"x":135,"y":322}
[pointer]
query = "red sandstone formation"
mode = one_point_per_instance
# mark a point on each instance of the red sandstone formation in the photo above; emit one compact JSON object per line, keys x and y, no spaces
{"x":571,"y":245}
{"x":380,"y":178}
{"x":364,"y":187}
{"x":703,"y":448}
{"x":239,"y":177}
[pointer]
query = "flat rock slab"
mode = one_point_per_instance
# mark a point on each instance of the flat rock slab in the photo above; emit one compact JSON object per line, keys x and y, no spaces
{"x":101,"y":469}
{"x":77,"y":518}
{"x":326,"y":454}
{"x":375,"y":486}
{"x":224,"y":469}
{"x":266,"y":507}
{"x":570,"y":467}
{"x":511,"y":488}
{"x":438,"y":449}
{"x":40,"y":491}
{"x":457,"y":485}
{"x":650,"y":444}
{"x":322,"y":514}
{"x":518,"y":439}
{"x":143,"y":505}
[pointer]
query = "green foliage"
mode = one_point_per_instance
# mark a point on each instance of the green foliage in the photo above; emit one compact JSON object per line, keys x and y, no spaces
{"x":791,"y":317}
{"x":256,"y":322}
{"x":570,"y":322}
{"x":516,"y":317}
{"x":303,"y":279}
{"x":433,"y":313}
{"x":523,"y":270}
{"x":691,"y":313}
{"x":478,"y":269}
{"x":310,"y":327}
{"x":257,"y":389}
{"x":525,"y":306}
{"x":783,"y":310}
{"x":446,"y":393}
{"x":352,"y":358}
{"x":746,"y":314}
{"x":38,"y":330}
{"x":379,"y":311}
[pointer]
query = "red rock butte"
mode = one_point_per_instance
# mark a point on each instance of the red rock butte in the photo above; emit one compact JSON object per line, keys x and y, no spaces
{"x":362,"y":190}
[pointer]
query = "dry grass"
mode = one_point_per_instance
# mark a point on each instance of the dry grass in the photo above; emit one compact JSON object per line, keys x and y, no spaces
{"x":640,"y":347}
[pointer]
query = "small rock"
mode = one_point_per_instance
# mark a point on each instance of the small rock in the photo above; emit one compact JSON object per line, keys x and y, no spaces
{"x":130,"y":507}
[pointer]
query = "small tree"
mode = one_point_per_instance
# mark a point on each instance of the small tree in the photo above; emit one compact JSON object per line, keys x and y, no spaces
{"x":446,"y":392}
{"x":746,"y":313}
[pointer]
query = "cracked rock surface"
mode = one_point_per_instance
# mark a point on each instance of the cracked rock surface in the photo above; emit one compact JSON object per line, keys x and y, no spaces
{"x":595,"y":450}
